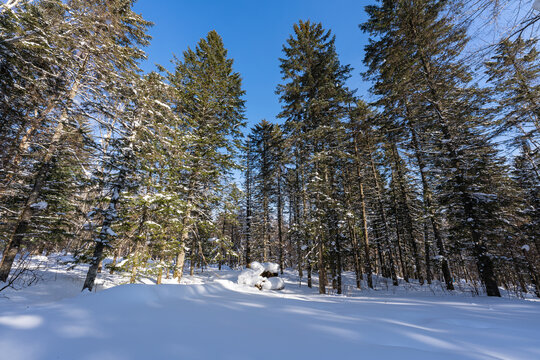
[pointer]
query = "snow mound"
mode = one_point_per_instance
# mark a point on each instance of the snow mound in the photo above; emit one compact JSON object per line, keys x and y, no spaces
{"x":249,"y":277}
{"x":272,"y":267}
{"x":257,"y":266}
{"x":273,"y":283}
{"x":252,"y":276}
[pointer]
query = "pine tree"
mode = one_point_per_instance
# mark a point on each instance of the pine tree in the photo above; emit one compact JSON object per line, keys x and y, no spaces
{"x":528,"y":214}
{"x":314,"y":97}
{"x":405,"y":212}
{"x":210,"y":99}
{"x":153,"y":206}
{"x":267,"y":171}
{"x":420,"y":46}
{"x":514,"y":71}
{"x":90,"y":70}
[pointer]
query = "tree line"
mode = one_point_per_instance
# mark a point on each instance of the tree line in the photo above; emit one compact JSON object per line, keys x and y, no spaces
{"x":435,"y":179}
{"x":416,"y":184}
{"x":98,"y":158}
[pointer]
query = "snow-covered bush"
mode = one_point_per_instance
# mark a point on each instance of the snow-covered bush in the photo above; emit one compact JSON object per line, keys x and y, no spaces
{"x":252,"y":276}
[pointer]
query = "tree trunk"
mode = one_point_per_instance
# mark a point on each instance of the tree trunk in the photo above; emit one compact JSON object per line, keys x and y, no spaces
{"x":364,"y":217}
{"x":428,"y":206}
{"x":103,"y":238}
{"x":321,"y":266}
{"x":382,"y":211}
{"x":309,"y":271}
{"x":15,"y":241}
{"x":113,"y":264}
{"x":248,"y":212}
{"x":92,"y":271}
{"x":179,"y":267}
{"x":296,"y":198}
{"x":279,"y":220}
{"x":427,"y":253}
{"x":400,"y":178}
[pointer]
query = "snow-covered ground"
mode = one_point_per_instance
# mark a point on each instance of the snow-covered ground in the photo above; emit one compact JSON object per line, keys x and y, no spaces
{"x":210,"y":316}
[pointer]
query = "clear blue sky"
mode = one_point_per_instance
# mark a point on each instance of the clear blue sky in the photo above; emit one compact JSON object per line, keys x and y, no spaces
{"x":254,"y":33}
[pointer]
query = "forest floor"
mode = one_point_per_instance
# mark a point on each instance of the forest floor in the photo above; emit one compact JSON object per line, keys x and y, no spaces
{"x":210,"y":316}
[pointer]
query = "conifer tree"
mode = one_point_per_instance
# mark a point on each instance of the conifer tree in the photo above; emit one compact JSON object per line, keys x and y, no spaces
{"x":267,"y":168}
{"x":514,"y":71}
{"x":90,"y":69}
{"x":528,"y":214}
{"x":314,"y":96}
{"x":248,"y":190}
{"x":210,"y":99}
{"x":417,"y":49}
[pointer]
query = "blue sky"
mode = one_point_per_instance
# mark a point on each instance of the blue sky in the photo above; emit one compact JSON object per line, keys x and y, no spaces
{"x":254,"y":33}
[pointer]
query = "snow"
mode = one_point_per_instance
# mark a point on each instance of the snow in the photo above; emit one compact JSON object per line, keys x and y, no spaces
{"x":249,"y":277}
{"x":152,"y":223}
{"x":209,"y":316}
{"x":252,"y":276}
{"x":42,"y":205}
{"x":272,"y":267}
{"x":110,"y":231}
{"x":257,"y":266}
{"x":273,"y":283}
{"x":162,"y":104}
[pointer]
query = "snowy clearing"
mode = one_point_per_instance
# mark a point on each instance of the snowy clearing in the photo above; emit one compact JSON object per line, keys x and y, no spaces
{"x":209,"y":316}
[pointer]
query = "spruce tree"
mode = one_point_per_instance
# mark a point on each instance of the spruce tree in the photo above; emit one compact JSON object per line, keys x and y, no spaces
{"x":514,"y":71}
{"x":210,"y":99}
{"x":527,"y":199}
{"x":417,"y":50}
{"x":92,"y":70}
{"x":314,"y":98}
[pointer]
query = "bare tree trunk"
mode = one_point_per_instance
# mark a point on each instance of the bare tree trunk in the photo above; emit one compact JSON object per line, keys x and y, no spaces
{"x":266,"y":234}
{"x":404,"y":269}
{"x":533,"y":274}
{"x":179,"y":267}
{"x":339,"y":266}
{"x":135,"y":267}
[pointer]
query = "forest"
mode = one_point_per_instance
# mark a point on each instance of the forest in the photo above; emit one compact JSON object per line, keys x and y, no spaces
{"x":433,"y":177}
